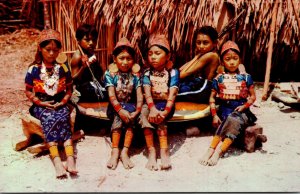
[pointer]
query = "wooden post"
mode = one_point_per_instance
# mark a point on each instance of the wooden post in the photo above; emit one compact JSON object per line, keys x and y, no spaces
{"x":296,"y":16}
{"x":270,"y":51}
{"x":46,"y":16}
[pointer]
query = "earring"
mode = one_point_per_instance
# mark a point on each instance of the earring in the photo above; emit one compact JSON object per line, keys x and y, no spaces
{"x":61,"y":58}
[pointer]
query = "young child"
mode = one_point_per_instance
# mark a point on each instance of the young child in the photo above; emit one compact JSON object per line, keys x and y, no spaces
{"x":86,"y":36}
{"x":125,"y":100}
{"x":236,"y":94}
{"x":49,"y":87}
{"x":160,"y":85}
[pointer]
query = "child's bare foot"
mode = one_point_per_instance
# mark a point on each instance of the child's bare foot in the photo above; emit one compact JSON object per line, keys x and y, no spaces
{"x":151,"y":164}
{"x":165,"y":159}
{"x":114,"y":159}
{"x":59,"y":168}
{"x":215,"y":157}
{"x":206,"y":156}
{"x":71,"y":166}
{"x":127,"y":163}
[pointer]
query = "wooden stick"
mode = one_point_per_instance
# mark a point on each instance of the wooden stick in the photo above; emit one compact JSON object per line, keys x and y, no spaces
{"x":270,"y":51}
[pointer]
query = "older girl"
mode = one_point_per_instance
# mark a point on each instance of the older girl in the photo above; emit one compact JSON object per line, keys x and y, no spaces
{"x":49,"y":87}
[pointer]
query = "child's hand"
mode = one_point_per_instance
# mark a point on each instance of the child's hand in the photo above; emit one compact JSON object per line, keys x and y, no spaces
{"x":216,"y":121}
{"x":240,"y":108}
{"x":47,"y":104}
{"x":154,"y":116}
{"x":162,"y":115}
{"x":92,"y":59}
{"x":133,"y":115}
{"x":57,"y":105}
{"x":124,"y":115}
{"x":85,"y":60}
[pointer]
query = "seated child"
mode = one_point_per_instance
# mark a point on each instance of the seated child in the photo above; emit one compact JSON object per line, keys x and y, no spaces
{"x":160,"y":84}
{"x":125,"y":100}
{"x":86,"y":36}
{"x":49,"y":87}
{"x":236,"y":94}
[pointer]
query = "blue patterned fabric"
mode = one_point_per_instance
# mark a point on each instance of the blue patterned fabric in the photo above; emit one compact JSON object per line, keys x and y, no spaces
{"x":55,"y":123}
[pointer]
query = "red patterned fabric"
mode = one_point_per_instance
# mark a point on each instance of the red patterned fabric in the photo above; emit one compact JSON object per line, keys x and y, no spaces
{"x":123,"y":42}
{"x":229,"y":45}
{"x":159,"y":39}
{"x":49,"y":34}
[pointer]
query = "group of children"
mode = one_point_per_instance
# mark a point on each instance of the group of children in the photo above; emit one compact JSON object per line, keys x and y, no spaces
{"x":136,"y":98}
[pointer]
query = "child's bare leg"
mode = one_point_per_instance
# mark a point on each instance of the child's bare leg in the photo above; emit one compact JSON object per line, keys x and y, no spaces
{"x":58,"y":165}
{"x":127,"y":163}
{"x":219,"y":152}
{"x":164,"y":150}
{"x":206,"y":156}
{"x":215,"y":141}
{"x":115,"y":153}
{"x":71,"y":164}
{"x":151,"y":164}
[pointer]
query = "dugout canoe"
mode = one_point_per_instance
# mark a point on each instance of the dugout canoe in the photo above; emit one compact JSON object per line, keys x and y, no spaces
{"x":184,"y":111}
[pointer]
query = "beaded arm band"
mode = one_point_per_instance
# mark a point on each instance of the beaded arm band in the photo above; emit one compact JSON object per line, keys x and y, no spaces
{"x":247,"y":105}
{"x":117,"y":107}
{"x":213,"y":109}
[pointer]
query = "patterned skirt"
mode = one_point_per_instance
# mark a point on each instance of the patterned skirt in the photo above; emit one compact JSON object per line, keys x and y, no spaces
{"x":55,"y":123}
{"x":233,"y":122}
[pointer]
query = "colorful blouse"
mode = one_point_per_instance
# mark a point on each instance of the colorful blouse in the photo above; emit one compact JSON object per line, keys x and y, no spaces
{"x":161,"y":82}
{"x":37,"y":79}
{"x":232,"y":87}
{"x":125,"y":84}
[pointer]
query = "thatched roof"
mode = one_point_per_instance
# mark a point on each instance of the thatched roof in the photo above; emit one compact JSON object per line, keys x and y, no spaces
{"x":179,"y":19}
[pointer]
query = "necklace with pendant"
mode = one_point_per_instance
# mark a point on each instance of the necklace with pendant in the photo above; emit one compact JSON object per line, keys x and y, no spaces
{"x":50,"y":81}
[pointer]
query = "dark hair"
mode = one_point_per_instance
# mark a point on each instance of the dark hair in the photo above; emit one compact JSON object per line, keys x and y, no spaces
{"x":161,"y":47}
{"x":207,"y":30}
{"x":38,"y":56}
{"x":118,"y":50}
{"x":86,"y":30}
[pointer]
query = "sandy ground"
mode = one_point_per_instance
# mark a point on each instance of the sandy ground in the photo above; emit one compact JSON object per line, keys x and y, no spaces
{"x":274,"y":168}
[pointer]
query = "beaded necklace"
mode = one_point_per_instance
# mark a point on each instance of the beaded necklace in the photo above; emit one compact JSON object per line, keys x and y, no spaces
{"x":50,"y":81}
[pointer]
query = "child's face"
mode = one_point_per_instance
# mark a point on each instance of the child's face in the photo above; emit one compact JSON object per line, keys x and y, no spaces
{"x":88,"y":43}
{"x":124,"y":61}
{"x":204,"y":44}
{"x":50,"y":52}
{"x":157,"y":58}
{"x":231,"y":61}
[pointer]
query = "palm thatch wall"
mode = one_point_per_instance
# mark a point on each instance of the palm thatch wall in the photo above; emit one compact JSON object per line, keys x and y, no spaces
{"x":179,"y":19}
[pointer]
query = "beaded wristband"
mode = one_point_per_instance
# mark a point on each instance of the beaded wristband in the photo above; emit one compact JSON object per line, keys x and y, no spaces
{"x":111,"y":98}
{"x":150,"y":105}
{"x":117,"y":107}
{"x":247,"y":104}
{"x":64,"y":101}
{"x":138,"y":109}
{"x":167,"y":108}
{"x":213,"y":111}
